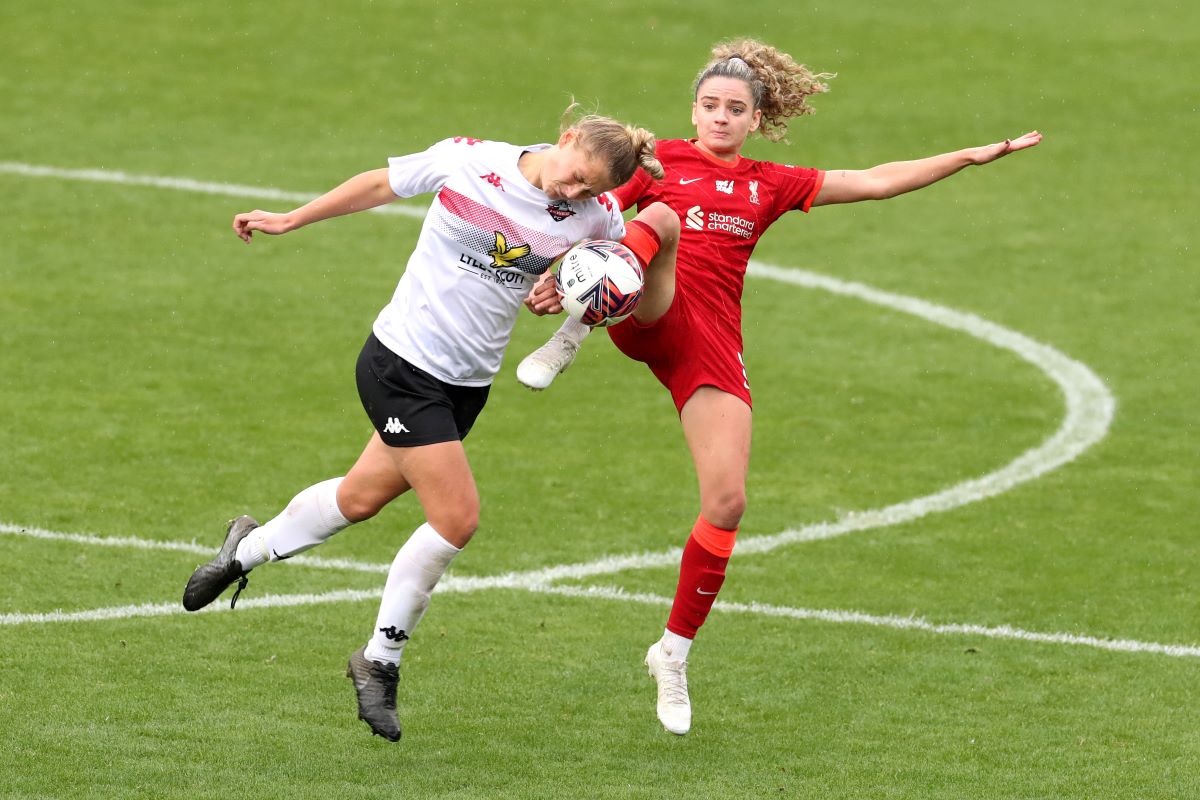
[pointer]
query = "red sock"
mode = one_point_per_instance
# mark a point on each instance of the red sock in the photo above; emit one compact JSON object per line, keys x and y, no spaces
{"x":701,"y":574}
{"x":642,"y":240}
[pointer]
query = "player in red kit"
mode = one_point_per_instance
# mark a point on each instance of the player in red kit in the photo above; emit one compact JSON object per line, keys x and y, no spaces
{"x":687,"y":328}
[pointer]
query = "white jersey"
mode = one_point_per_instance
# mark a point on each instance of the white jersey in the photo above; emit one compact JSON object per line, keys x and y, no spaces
{"x":487,"y":237}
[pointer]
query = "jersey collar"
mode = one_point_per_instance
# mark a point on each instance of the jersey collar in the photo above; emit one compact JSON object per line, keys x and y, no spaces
{"x":695,"y":143}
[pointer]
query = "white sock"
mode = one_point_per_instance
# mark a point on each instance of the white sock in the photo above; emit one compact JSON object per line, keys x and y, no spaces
{"x":675,"y":647}
{"x":311,"y":518}
{"x":416,"y":569}
{"x":574,"y":331}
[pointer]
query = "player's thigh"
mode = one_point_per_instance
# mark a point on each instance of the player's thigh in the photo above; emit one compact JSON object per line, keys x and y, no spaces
{"x":439,"y":474}
{"x":717,"y":427}
{"x":441,"y":478}
{"x":372,"y":483}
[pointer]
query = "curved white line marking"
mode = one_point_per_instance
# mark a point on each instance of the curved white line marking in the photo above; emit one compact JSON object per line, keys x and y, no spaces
{"x":614,"y":593}
{"x":185,"y":547}
{"x":184,"y":185}
{"x":1090,"y":409}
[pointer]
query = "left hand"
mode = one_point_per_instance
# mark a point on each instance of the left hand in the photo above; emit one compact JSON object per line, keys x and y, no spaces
{"x":544,"y":298}
{"x":991,"y":152}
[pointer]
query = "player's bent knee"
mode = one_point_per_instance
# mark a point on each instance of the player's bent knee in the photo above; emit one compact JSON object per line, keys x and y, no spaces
{"x":664,"y":221}
{"x":726,"y":510}
{"x":457,"y":525}
{"x":358,"y":507}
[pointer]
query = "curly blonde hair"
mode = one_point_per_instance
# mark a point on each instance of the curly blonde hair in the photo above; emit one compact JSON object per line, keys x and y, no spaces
{"x":622,"y":147}
{"x":779,"y":86}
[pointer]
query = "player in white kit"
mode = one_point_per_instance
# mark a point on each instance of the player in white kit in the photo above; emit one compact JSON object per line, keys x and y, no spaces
{"x":502,"y":214}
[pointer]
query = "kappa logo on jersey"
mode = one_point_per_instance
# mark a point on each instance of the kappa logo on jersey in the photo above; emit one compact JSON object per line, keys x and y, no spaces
{"x":754,"y":192}
{"x":725,"y":187}
{"x":395,"y":426}
{"x":467,"y":139}
{"x":494,"y":180}
{"x":695,"y":218}
{"x":505,"y":256}
{"x":559,"y":210}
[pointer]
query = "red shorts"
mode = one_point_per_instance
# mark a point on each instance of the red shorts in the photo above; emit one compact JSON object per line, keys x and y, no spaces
{"x":685,"y":352}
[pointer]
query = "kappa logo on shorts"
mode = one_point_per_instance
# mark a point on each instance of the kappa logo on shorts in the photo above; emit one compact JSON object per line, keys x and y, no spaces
{"x":395,"y":426}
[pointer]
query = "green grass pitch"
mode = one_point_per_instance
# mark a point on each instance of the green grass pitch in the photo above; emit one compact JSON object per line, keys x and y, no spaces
{"x":158,"y":377}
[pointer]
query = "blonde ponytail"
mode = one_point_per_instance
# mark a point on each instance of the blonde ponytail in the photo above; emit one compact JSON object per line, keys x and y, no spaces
{"x":621,"y":147}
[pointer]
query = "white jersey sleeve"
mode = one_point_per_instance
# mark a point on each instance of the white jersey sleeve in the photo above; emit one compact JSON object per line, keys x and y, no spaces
{"x":427,"y":171}
{"x":614,"y":222}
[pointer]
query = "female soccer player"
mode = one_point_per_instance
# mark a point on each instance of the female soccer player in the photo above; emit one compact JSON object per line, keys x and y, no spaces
{"x":688,"y":326}
{"x":502,"y":214}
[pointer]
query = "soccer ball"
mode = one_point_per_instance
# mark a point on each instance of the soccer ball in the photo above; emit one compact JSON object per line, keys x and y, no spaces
{"x":600,"y":282}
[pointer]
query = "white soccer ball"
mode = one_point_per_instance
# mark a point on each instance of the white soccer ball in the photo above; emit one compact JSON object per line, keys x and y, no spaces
{"x":600,"y":282}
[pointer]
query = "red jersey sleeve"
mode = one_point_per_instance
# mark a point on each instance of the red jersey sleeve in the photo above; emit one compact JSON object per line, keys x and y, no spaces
{"x":798,"y":187}
{"x":629,"y":194}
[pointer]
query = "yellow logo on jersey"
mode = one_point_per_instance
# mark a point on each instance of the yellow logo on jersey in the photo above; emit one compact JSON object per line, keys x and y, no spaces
{"x":505,"y":256}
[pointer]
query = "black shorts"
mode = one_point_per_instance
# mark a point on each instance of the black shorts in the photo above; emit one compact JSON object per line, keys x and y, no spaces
{"x":408,"y":406}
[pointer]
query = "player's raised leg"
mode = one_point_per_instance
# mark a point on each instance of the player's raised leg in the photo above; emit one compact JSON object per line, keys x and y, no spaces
{"x":312,"y":516}
{"x":653,"y":236}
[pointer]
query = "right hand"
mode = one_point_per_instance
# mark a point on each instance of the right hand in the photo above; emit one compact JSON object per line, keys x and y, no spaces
{"x":544,"y":298}
{"x":245,"y":224}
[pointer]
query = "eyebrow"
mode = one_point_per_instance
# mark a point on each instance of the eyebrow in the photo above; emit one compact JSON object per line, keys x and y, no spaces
{"x":714,"y":99}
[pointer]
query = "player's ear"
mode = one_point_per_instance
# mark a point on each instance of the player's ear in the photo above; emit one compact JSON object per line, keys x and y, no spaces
{"x":568,"y":136}
{"x":694,"y":122}
{"x":757,"y":120}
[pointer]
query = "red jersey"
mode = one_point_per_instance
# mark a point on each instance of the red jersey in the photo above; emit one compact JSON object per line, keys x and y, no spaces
{"x":723,"y":208}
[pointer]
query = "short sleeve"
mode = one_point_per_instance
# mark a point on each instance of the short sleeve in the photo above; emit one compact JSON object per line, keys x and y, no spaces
{"x":428,"y":170}
{"x":614,"y":222}
{"x":797,"y":187}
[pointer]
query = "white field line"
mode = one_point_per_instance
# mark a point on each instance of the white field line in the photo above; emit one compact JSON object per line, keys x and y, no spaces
{"x":185,"y":547}
{"x":1090,"y":409}
{"x":899,"y":623}
{"x":172,"y":609}
{"x":184,"y":184}
{"x":613,"y":593}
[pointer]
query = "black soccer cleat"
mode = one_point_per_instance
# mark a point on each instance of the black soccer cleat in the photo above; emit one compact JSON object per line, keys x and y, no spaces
{"x":375,"y":685}
{"x":209,"y":580}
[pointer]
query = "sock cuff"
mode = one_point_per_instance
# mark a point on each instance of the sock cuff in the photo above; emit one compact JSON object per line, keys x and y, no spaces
{"x":327,"y":505}
{"x":428,"y":541}
{"x":717,"y":541}
{"x":574,"y":330}
{"x":643,"y":240}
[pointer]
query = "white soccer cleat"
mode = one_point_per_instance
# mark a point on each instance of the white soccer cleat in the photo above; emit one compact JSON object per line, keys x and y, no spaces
{"x":539,"y":369}
{"x":674,"y":705}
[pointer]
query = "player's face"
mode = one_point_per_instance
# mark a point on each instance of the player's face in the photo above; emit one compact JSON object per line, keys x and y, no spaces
{"x":570,"y":172}
{"x":724,"y":115}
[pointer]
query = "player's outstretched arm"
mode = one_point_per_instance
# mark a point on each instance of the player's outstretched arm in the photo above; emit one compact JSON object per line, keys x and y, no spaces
{"x":898,"y":177}
{"x":363,"y":191}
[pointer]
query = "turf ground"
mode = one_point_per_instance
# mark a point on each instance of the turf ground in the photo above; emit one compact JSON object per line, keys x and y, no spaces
{"x":969,"y":566}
